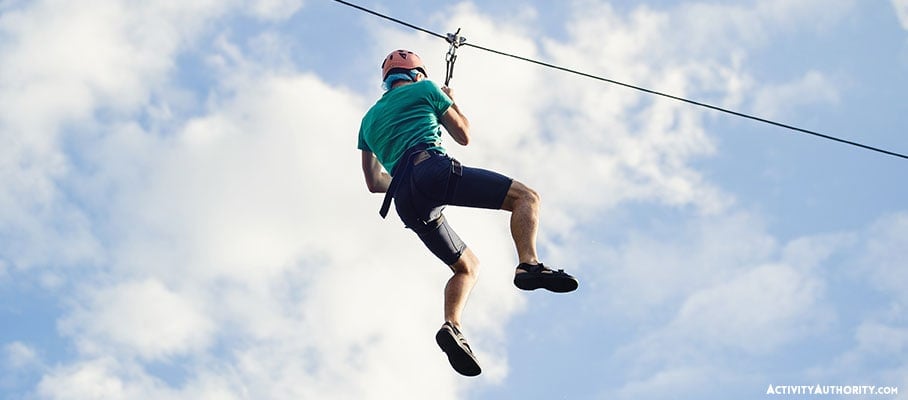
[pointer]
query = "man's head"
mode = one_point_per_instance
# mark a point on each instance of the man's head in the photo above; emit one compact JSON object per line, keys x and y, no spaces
{"x":401,"y":65}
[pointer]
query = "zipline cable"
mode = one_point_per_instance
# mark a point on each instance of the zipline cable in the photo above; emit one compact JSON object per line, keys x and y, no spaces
{"x":627,"y":85}
{"x":377,"y":14}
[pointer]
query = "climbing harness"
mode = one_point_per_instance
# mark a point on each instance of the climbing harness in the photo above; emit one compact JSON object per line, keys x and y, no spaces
{"x":455,"y":41}
{"x":402,"y":170}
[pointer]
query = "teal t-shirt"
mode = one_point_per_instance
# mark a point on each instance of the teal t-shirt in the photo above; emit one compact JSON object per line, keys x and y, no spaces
{"x":402,"y":118}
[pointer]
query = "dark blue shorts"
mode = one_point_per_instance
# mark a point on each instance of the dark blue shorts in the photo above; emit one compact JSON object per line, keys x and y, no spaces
{"x":420,"y":202}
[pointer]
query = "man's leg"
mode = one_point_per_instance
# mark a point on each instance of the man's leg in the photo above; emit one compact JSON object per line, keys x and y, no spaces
{"x":487,"y":189}
{"x":460,"y":285}
{"x":449,"y":337}
{"x":523,"y":203}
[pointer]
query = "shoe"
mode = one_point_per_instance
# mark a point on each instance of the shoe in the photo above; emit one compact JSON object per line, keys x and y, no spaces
{"x":458,"y":350}
{"x":538,"y":276}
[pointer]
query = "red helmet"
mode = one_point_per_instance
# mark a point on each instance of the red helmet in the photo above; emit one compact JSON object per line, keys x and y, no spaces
{"x":404,"y":59}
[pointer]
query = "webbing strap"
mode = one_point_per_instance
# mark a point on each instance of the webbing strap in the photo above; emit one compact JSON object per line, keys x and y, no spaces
{"x":456,"y":173}
{"x":399,"y":174}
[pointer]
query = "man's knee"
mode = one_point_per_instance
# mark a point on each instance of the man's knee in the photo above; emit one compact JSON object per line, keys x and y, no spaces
{"x":468,"y":263}
{"x":531,"y":196}
{"x":520,"y":195}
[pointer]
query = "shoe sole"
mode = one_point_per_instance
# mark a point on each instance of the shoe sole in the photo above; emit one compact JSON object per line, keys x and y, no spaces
{"x":460,"y":358}
{"x":557,"y":285}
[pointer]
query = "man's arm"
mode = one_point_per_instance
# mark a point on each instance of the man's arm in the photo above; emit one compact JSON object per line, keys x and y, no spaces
{"x":377,"y":180}
{"x":455,"y":122}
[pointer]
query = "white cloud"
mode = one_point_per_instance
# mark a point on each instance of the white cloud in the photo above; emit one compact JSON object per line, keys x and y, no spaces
{"x":773,"y":101}
{"x":879,"y":335}
{"x":883,"y":261}
{"x":901,"y":11}
{"x":64,"y":63}
{"x":19,"y":361}
{"x":874,"y":338}
{"x":238,"y":183}
{"x":735,"y":27}
{"x":275,"y":9}
{"x":657,"y":268}
{"x":84,"y":381}
{"x":759,"y":310}
{"x":20,"y":355}
{"x":144,"y":318}
{"x":695,"y":381}
{"x":877,"y":354}
{"x":757,"y":301}
{"x":102,"y":378}
{"x":632,"y":147}
{"x":729,"y":286}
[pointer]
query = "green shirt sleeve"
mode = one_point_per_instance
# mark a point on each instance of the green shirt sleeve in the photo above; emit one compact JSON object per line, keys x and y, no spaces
{"x":438,"y":99}
{"x":361,"y":142}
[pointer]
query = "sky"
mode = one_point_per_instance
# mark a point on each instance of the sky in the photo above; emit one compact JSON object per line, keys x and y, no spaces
{"x":183,"y":214}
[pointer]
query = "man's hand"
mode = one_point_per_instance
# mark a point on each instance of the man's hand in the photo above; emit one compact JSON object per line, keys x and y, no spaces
{"x":448,"y":91}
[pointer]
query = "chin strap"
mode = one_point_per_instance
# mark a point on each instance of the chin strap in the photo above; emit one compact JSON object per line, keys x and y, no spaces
{"x":455,"y":41}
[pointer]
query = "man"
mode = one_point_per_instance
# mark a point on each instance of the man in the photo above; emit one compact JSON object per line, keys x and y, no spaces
{"x":401,"y":133}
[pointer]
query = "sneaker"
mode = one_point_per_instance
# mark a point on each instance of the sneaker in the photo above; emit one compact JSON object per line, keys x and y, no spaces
{"x":538,"y":276}
{"x":458,"y":350}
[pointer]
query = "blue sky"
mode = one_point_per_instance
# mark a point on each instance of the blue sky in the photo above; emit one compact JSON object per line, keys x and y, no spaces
{"x":182,"y":213}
